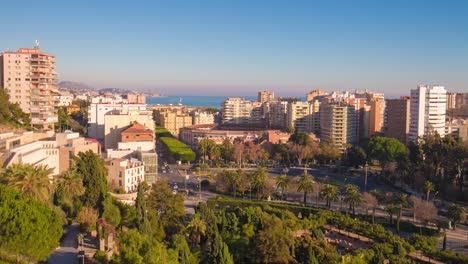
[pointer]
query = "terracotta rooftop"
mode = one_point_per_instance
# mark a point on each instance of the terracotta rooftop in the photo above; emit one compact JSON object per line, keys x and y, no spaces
{"x":137,"y":128}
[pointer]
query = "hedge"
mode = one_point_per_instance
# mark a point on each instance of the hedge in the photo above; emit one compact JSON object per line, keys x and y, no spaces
{"x":162,"y":132}
{"x":178,"y":149}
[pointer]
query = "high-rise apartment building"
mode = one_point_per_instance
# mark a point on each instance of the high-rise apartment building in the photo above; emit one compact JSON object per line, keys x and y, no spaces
{"x":238,"y":111}
{"x":202,"y":118}
{"x":457,"y":100}
{"x":451,"y":101}
{"x":338,"y":123}
{"x":312,"y":95}
{"x":428,"y":110}
{"x":29,"y":77}
{"x":398,"y":118}
{"x":298,"y":116}
{"x":277,"y":112}
{"x":266,"y":96}
{"x":376,"y":116}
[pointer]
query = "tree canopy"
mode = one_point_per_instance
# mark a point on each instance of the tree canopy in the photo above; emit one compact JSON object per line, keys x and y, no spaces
{"x":90,"y":166}
{"x":28,"y":228}
{"x":385,"y":150}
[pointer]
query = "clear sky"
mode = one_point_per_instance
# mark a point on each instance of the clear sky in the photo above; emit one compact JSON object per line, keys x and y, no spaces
{"x":240,"y":47}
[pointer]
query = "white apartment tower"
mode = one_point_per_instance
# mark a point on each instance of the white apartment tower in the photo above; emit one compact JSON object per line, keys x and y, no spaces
{"x":238,"y":111}
{"x":427,"y":111}
{"x":29,"y":76}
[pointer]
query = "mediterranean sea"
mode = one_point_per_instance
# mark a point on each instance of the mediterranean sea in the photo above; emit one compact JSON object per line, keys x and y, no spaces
{"x":209,"y":101}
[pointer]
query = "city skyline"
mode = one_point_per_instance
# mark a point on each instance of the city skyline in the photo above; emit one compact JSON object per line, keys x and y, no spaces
{"x":240,"y":48}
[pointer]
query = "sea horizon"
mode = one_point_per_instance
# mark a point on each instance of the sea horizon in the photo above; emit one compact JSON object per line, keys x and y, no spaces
{"x":196,"y":100}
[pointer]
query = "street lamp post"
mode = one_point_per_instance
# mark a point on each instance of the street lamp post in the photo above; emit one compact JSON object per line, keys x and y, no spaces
{"x":199,"y":188}
{"x":186,"y":178}
{"x":365,"y":179}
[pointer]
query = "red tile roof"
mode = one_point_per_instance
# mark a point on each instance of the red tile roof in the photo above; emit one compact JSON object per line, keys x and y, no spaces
{"x":137,"y":128}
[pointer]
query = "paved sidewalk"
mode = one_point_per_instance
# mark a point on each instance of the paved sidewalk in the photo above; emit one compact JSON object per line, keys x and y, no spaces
{"x":68,"y":250}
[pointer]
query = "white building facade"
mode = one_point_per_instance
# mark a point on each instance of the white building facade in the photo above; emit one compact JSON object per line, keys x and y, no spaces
{"x":427,"y":111}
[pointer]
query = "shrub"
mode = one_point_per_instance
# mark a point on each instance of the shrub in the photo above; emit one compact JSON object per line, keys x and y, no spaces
{"x":425,"y":243}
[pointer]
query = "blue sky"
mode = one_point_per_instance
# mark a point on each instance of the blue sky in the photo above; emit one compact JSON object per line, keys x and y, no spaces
{"x":240,"y":47}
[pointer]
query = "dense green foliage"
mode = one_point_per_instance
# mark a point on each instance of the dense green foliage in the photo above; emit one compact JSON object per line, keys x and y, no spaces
{"x":72,"y":122}
{"x":385,"y":150}
{"x":442,"y":161}
{"x":259,"y":232}
{"x":139,"y":248}
{"x":178,"y":149}
{"x":11,"y":114}
{"x":29,"y":229}
{"x":91,"y":168}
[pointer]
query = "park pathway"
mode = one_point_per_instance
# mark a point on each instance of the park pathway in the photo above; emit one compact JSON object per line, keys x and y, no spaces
{"x":68,"y":250}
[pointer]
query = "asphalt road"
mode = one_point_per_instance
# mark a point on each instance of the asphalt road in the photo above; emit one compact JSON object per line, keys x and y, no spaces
{"x":68,"y":250}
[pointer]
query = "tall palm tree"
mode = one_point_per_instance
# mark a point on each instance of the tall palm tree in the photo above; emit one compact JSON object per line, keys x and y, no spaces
{"x":71,"y":185}
{"x":282,"y":182}
{"x":306,"y":185}
{"x":401,"y":200}
{"x":197,"y":229}
{"x":258,"y":179}
{"x":234,"y":179}
{"x":352,"y":196}
{"x":329,"y":193}
{"x":428,"y":188}
{"x":29,"y":180}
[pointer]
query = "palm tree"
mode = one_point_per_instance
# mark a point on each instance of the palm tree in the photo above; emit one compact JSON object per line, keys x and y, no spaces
{"x":197,"y":229}
{"x":29,"y":180}
{"x":258,"y":179}
{"x":391,"y":210}
{"x":401,"y":200}
{"x":306,"y":185}
{"x":71,"y":185}
{"x":282,"y":182}
{"x":428,"y":188}
{"x":352,"y":196}
{"x":457,"y":214}
{"x":329,"y":193}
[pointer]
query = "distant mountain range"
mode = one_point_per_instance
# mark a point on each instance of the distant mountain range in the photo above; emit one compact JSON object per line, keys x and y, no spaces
{"x":82,"y":87}
{"x":114,"y":90}
{"x":75,"y":86}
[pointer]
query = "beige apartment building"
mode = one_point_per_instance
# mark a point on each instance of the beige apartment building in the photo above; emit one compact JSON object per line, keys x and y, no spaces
{"x":376,"y":116}
{"x":277,"y":114}
{"x":298,"y":116}
{"x":29,"y":77}
{"x":173,"y":120}
{"x":338,"y":124}
{"x":398,"y":118}
{"x":202,"y":118}
{"x":266,"y":96}
{"x":238,"y":111}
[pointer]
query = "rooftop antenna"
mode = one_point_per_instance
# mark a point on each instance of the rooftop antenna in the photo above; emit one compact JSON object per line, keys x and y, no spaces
{"x":36,"y":44}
